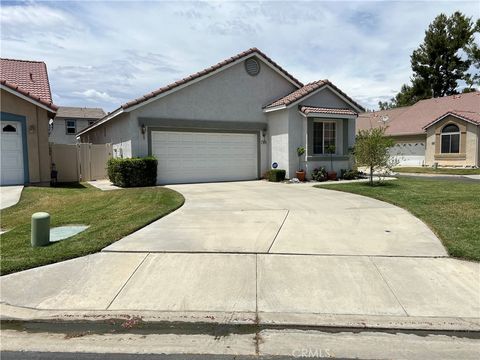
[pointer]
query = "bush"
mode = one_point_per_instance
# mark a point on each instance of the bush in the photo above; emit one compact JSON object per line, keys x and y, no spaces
{"x":350,"y":174}
{"x":276,"y":175}
{"x":319,"y":174}
{"x":134,"y":172}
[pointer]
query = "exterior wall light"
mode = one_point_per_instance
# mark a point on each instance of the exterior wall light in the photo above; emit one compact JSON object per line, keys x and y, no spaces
{"x":143,"y":129}
{"x":264,"y":134}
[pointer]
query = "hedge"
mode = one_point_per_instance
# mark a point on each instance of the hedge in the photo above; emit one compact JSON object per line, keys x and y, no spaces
{"x":276,"y":175}
{"x":134,"y":172}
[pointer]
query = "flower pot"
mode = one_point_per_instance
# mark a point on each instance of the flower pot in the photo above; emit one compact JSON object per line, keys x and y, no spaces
{"x":332,"y":175}
{"x":300,"y":175}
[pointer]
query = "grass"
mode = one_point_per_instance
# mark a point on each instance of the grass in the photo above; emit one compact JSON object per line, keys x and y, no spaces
{"x":110,"y":214}
{"x":439,"y":171}
{"x":450,"y":208}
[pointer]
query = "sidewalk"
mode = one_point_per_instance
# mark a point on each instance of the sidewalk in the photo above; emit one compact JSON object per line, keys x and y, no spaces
{"x":340,"y":291}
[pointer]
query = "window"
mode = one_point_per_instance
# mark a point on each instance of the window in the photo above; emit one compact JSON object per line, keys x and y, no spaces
{"x":9,"y":128}
{"x":450,"y":139}
{"x":323,"y":136}
{"x":71,"y":127}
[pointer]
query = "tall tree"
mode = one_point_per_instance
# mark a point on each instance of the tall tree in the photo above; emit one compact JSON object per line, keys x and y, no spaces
{"x":438,"y":61}
{"x":473,"y":53}
{"x":444,"y":58}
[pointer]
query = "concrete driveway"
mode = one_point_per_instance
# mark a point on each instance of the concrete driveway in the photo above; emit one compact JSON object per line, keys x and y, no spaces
{"x":262,"y":217}
{"x":10,"y":195}
{"x":257,"y":252}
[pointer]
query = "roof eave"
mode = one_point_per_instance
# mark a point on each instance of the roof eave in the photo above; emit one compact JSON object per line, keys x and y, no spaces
{"x":103,"y":120}
{"x":52,"y":109}
{"x":450,"y":113}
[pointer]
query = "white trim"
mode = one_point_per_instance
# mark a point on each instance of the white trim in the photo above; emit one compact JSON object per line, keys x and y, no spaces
{"x":104,"y":120}
{"x":279,"y":107}
{"x":450,"y":114}
{"x":328,"y":116}
{"x":20,"y":95}
{"x":316,"y":91}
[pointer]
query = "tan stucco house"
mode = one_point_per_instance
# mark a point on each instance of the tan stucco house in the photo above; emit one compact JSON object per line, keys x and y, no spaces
{"x":26,"y":108}
{"x":70,"y":120}
{"x":440,"y":131}
{"x":232,"y":121}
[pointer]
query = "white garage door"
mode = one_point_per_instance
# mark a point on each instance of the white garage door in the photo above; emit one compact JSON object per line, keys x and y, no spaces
{"x":185,"y":157}
{"x":12,"y":153}
{"x":409,"y":153}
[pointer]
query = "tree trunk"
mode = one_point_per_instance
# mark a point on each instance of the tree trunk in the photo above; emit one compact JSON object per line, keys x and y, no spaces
{"x":371,"y":175}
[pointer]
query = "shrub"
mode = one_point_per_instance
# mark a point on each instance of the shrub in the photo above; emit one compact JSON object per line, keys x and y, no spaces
{"x":319,"y":174}
{"x":132,"y":172}
{"x":276,"y":175}
{"x":350,"y":174}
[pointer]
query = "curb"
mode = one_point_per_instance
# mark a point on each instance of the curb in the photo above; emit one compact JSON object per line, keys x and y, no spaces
{"x":14,"y":314}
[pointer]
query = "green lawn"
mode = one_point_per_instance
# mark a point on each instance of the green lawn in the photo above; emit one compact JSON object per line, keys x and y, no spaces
{"x":110,"y":214}
{"x":450,"y":208}
{"x":439,"y":171}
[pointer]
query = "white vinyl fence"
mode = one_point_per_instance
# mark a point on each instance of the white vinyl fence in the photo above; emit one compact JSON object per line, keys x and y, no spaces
{"x":80,"y":162}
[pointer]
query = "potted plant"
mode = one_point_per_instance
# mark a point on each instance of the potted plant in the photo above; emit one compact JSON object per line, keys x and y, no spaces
{"x":300,"y":172}
{"x":332,"y":175}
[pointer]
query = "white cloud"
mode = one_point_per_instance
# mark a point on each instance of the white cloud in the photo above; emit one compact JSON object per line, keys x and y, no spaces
{"x":94,"y":95}
{"x":121,"y":50}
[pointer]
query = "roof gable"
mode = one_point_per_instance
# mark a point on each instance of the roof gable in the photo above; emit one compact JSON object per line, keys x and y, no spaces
{"x":468,"y":116}
{"x":413,"y":119}
{"x":210,"y":71}
{"x":307,"y":91}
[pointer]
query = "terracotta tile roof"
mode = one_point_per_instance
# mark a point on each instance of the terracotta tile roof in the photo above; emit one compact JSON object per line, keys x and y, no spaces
{"x":307,"y":90}
{"x":80,"y":112}
{"x":29,"y":78}
{"x":207,"y":71}
{"x":322,"y":110}
{"x":413,"y":119}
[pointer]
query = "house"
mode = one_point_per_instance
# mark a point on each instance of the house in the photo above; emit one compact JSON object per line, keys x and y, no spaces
{"x":232,"y":121}
{"x":26,"y":108}
{"x":70,"y":120}
{"x":443,"y":131}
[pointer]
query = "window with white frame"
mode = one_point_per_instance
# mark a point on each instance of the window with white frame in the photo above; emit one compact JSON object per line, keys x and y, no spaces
{"x":450,"y":139}
{"x":324,"y":135}
{"x":71,"y":127}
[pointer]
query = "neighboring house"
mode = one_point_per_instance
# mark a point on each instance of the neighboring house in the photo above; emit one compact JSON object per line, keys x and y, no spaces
{"x":70,"y":120}
{"x":443,"y":131}
{"x":231,"y":121}
{"x":26,"y":108}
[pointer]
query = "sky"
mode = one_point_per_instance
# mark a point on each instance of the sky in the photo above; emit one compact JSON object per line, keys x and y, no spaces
{"x":105,"y":53}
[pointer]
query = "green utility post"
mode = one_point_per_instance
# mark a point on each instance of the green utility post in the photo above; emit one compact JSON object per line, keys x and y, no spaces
{"x":40,"y":229}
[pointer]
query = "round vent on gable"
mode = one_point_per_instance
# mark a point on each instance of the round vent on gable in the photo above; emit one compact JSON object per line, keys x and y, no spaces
{"x":252,"y":66}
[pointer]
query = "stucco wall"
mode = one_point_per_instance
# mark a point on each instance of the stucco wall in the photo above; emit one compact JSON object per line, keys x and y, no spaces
{"x":122,"y":133}
{"x":469,"y":144}
{"x":37,"y":134}
{"x":58,"y":134}
{"x":299,"y":127}
{"x":230,"y":95}
{"x":326,"y":98}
